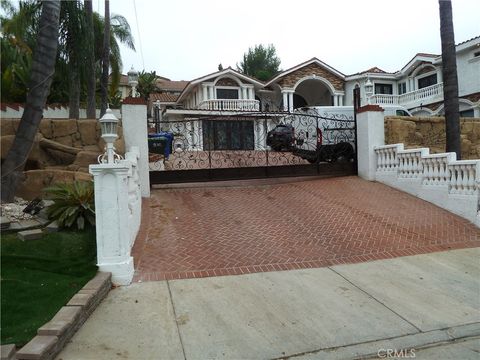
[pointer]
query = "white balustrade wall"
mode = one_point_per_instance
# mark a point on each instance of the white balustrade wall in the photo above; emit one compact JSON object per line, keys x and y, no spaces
{"x":437,"y":178}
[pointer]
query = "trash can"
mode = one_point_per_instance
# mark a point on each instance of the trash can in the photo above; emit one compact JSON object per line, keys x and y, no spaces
{"x":161,"y":143}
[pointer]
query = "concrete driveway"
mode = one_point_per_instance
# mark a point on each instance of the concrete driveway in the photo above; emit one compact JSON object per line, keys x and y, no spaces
{"x":242,"y":227}
{"x":339,"y":312}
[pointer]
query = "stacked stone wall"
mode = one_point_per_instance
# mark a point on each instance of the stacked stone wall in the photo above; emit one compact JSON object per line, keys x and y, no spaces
{"x":429,"y":132}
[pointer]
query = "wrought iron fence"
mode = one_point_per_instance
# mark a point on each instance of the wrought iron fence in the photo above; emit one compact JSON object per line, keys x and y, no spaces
{"x":255,"y":140}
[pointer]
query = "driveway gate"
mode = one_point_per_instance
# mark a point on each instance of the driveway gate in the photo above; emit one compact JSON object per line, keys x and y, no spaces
{"x":253,"y":145}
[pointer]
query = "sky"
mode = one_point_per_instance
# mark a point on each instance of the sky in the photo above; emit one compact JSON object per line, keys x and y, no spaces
{"x":186,"y":39}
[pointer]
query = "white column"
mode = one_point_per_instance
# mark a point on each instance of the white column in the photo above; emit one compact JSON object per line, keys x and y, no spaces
{"x":290,"y":101}
{"x":370,"y":133}
{"x":244,"y":92}
{"x":340,"y":100}
{"x":135,"y":133}
{"x":285,"y":100}
{"x":204,"y":92}
{"x":251,"y":94}
{"x":212,"y":92}
{"x":112,"y":224}
{"x":335,"y":100}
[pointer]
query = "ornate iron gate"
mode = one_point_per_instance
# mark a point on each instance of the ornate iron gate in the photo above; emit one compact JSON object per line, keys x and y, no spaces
{"x":254,"y":145}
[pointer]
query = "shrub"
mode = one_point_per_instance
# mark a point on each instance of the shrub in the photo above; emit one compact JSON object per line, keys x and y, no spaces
{"x":74,"y":204}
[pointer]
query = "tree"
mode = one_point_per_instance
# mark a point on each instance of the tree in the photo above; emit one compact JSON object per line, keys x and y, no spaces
{"x":260,"y":62}
{"x":19,"y":27}
{"x":90,"y":60}
{"x":105,"y":61}
{"x":147,"y":84}
{"x":450,"y":79}
{"x":42,"y":71}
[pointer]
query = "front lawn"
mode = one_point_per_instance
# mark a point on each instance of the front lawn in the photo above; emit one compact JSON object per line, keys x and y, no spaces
{"x":38,"y":277}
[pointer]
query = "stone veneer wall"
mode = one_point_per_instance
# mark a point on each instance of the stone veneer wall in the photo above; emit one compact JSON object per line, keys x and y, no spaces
{"x":313,"y":69}
{"x":430,"y":132}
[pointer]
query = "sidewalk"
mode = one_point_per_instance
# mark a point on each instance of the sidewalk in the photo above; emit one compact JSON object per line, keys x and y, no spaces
{"x":339,"y":312}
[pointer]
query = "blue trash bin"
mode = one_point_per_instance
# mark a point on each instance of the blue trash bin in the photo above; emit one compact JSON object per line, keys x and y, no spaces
{"x":161,"y":143}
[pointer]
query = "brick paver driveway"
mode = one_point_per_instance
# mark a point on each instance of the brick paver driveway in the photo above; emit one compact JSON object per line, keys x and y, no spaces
{"x":208,"y":231}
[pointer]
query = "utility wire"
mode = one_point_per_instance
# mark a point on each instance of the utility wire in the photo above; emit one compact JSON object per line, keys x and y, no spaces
{"x":138,"y":32}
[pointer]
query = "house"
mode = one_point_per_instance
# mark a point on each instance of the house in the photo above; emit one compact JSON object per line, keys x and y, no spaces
{"x":227,"y":110}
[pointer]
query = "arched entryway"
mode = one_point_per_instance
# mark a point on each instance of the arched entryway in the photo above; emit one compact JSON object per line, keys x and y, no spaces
{"x":312,"y":92}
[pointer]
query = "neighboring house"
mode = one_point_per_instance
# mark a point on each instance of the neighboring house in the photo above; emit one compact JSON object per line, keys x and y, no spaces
{"x":418,"y":86}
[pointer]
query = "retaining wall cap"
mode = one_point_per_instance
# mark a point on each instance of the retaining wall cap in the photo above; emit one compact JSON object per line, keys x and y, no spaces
{"x":37,"y":347}
{"x":7,"y":351}
{"x":98,"y":281}
{"x":134,"y":101}
{"x":66,"y":316}
{"x":80,"y":300}
{"x":370,"y":108}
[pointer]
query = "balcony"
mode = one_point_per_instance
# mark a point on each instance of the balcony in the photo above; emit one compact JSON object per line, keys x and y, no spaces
{"x":230,"y":105}
{"x":411,"y":99}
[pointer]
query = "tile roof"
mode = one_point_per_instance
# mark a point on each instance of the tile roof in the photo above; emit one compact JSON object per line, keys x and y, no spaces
{"x":169,"y":85}
{"x":373,"y":70}
{"x":466,"y":41}
{"x":163,"y":97}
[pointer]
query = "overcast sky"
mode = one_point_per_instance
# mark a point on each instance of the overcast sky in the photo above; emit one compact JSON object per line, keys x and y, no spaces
{"x":185,"y":39}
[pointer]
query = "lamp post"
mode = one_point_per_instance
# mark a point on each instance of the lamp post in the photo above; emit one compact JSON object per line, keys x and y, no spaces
{"x":368,"y":90}
{"x":133,"y":80}
{"x":108,"y":125}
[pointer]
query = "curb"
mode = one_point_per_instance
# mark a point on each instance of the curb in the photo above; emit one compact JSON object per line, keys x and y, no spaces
{"x":53,"y":335}
{"x":370,"y":349}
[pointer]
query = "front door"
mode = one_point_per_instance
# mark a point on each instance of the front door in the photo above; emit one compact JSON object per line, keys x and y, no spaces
{"x":228,"y":135}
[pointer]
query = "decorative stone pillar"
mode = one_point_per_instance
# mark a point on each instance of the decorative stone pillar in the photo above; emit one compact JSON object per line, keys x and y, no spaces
{"x":370,"y":133}
{"x":111,"y":214}
{"x":135,"y":133}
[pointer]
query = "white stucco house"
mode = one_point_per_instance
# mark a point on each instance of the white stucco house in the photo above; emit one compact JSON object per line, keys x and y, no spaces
{"x":225,"y":94}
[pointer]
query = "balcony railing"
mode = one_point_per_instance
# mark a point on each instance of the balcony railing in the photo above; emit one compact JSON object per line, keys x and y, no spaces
{"x":413,"y":98}
{"x":230,"y":105}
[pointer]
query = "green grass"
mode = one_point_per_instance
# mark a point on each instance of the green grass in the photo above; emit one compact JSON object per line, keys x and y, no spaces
{"x":38,"y":277}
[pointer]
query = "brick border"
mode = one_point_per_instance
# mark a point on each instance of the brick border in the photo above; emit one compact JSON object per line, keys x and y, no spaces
{"x":251,"y":269}
{"x":53,"y":335}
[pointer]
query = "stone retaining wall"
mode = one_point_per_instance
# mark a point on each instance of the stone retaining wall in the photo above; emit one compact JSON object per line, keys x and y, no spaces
{"x":430,"y":132}
{"x":46,"y":166}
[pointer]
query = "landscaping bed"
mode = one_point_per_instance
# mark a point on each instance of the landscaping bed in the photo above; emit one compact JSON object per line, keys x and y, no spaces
{"x":38,"y":277}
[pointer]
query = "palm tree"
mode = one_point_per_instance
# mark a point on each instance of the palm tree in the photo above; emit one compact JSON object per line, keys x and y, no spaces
{"x":105,"y":61}
{"x":43,"y":69}
{"x":450,"y":79}
{"x":73,"y":48}
{"x":18,"y":32}
{"x":90,"y":55}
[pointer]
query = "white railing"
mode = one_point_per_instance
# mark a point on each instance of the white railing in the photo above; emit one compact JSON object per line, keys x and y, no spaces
{"x":384,"y":99}
{"x":438,"y":178}
{"x":428,"y":93}
{"x":230,"y":105}
{"x":387,"y":157}
{"x":435,"y":169}
{"x":134,"y":194}
{"x":463,"y":176}
{"x":410,"y":164}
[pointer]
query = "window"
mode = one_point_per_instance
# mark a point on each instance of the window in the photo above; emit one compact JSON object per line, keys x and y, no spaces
{"x":467,"y":113}
{"x":383,"y":88}
{"x":227,"y":93}
{"x":427,"y":81}
{"x":402,"y":88}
